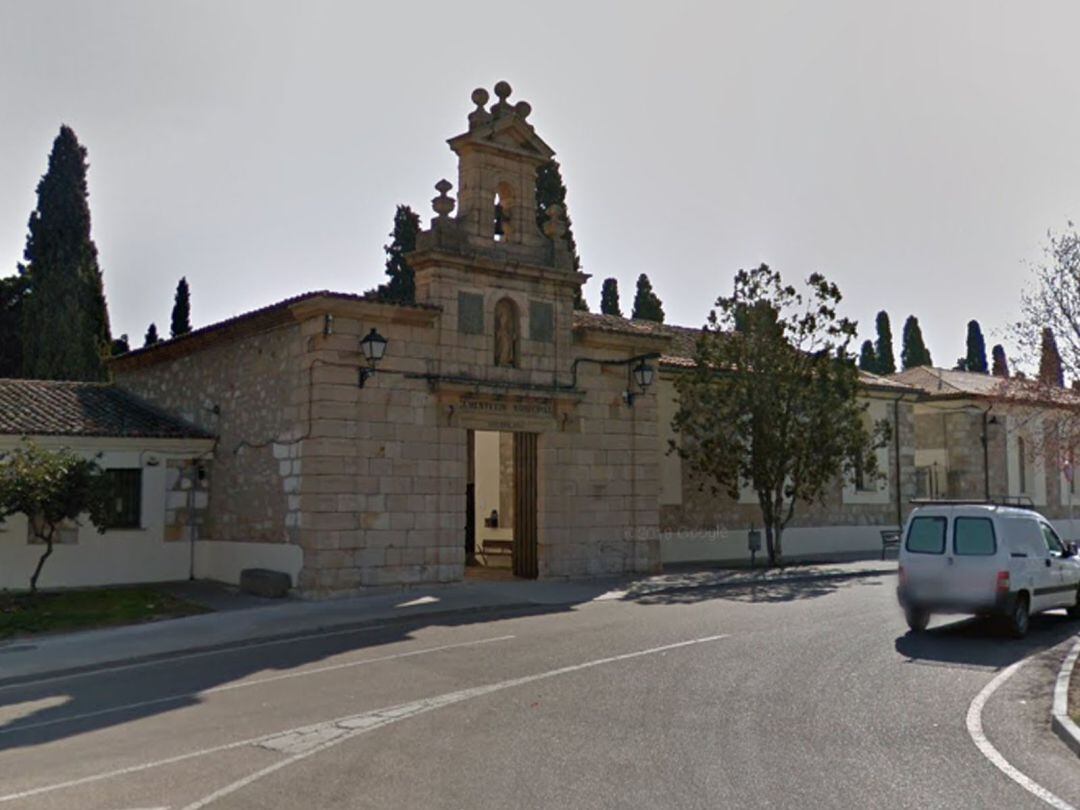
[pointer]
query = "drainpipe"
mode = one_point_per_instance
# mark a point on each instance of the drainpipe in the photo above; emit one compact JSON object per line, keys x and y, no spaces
{"x":191,"y":520}
{"x":986,"y":450}
{"x":896,"y":450}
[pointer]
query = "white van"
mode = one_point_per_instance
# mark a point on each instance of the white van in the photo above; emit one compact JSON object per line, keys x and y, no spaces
{"x":985,"y":560}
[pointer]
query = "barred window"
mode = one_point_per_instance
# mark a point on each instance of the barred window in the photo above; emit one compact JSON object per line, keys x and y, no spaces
{"x":125,"y":498}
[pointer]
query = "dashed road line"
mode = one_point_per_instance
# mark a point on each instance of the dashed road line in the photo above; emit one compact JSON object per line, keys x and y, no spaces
{"x":351,"y":726}
{"x":243,"y":685}
{"x":326,"y":735}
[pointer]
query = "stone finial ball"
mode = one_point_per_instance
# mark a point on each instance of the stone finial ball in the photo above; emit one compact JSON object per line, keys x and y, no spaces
{"x":523,"y":108}
{"x":479,"y":96}
{"x":503,"y":91}
{"x":443,"y":186}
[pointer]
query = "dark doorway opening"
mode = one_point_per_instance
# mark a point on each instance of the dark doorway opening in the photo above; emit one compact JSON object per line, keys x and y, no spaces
{"x":501,"y":505}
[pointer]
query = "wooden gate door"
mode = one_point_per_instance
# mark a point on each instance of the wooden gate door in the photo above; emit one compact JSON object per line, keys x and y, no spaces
{"x":470,"y":500}
{"x":526,"y":556}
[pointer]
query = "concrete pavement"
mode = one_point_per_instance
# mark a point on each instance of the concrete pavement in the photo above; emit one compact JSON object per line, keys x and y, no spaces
{"x":43,"y":656}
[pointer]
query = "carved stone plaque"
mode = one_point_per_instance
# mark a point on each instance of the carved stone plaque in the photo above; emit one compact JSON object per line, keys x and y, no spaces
{"x":470,"y":313}
{"x":541,"y":321}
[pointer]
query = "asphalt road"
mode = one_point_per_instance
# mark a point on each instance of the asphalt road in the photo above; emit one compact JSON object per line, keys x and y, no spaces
{"x":807,"y":695}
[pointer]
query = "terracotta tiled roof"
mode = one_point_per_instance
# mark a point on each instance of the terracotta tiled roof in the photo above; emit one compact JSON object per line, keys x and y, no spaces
{"x":941,"y":383}
{"x":680,"y":351}
{"x":613,"y":323}
{"x":269,"y":311}
{"x":877,"y":381}
{"x":51,"y":408}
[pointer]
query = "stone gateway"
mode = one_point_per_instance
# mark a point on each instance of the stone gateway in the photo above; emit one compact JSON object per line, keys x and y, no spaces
{"x":371,"y":470}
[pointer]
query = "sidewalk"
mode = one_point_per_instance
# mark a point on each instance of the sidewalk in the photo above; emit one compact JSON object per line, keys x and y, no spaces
{"x":25,"y":660}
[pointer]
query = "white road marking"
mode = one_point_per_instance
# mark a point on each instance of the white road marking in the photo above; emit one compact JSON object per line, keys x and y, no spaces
{"x":326,"y":735}
{"x":358,"y":723}
{"x":975,"y":729}
{"x":243,"y":685}
{"x":188,"y":656}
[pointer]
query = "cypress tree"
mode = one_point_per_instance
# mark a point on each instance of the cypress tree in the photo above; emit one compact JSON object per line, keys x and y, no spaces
{"x":609,"y":298}
{"x":12,"y":294}
{"x":867,"y":357}
{"x":580,"y":304}
{"x":181,"y":311}
{"x":883,"y":350}
{"x":550,"y":190}
{"x":647,"y":306}
{"x":914,"y":352}
{"x":65,"y":319}
{"x":1051,"y":371}
{"x":401,"y":288}
{"x":975,"y":360}
{"x":1000,"y":361}
{"x":151,"y":338}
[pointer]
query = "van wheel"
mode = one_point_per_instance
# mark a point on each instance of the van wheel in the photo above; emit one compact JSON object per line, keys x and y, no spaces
{"x":917,"y":619}
{"x":1020,"y":618}
{"x":1074,"y":611}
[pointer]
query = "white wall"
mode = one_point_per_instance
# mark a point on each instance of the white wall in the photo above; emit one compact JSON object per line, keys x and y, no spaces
{"x":731,"y":546}
{"x":223,"y":561}
{"x":487,"y":474}
{"x":118,"y":556}
{"x":882,"y":490}
{"x":1030,"y":428}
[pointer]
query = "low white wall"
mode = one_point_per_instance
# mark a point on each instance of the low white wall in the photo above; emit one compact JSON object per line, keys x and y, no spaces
{"x":730,"y":546}
{"x":119,"y":556}
{"x":114,"y":558}
{"x":223,"y":561}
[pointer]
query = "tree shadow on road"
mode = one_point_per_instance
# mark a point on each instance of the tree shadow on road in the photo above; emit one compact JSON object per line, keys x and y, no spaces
{"x":765,"y":590}
{"x":983,"y":643}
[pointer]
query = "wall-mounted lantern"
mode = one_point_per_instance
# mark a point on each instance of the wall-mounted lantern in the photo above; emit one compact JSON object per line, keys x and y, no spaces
{"x":373,"y":347}
{"x":642,"y":374}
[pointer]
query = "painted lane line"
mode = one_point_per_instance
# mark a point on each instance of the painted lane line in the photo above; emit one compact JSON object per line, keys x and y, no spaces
{"x":243,"y":685}
{"x":131,"y":769}
{"x":188,"y":656}
{"x":316,"y":739}
{"x":975,"y":730}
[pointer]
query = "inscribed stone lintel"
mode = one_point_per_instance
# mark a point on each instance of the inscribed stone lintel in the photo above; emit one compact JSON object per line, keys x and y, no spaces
{"x":512,"y":413}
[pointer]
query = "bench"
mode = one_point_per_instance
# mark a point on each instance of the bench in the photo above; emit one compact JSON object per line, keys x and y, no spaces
{"x":890,"y":538}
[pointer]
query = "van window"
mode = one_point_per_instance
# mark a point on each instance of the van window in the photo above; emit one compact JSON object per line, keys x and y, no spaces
{"x":926,"y":535}
{"x":1051,"y":539}
{"x":974,"y":536}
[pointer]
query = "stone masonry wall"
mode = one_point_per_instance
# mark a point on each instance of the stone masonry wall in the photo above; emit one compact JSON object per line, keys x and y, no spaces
{"x":701,"y":510}
{"x":252,"y":393}
{"x":383,"y":494}
{"x":598,"y":487}
{"x":187,"y":498}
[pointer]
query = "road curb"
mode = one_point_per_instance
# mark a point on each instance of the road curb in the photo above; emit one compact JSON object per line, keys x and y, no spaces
{"x":1060,"y":722}
{"x":345,"y":626}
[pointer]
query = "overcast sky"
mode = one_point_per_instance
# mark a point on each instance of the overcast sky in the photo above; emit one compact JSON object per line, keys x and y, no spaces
{"x":915,"y":152}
